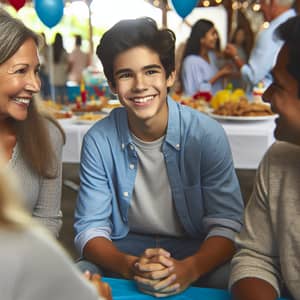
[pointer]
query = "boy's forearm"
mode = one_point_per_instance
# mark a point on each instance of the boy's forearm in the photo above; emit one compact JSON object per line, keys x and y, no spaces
{"x":214,"y":252}
{"x":102,"y":252}
{"x":253,"y":289}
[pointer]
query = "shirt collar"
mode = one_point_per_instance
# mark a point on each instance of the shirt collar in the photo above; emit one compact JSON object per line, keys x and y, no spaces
{"x":173,"y":129}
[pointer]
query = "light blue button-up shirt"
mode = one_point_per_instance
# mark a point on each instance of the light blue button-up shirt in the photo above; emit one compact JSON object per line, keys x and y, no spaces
{"x":199,"y":165}
{"x":196,"y":73}
{"x":264,"y":54}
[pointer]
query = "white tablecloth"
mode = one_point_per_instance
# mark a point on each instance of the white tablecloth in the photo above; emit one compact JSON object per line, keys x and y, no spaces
{"x":74,"y":136}
{"x":248,"y":141}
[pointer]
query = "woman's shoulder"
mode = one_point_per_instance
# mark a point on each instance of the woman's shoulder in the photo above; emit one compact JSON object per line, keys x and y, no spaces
{"x":194,"y":62}
{"x":283,"y":153}
{"x":192,"y":58}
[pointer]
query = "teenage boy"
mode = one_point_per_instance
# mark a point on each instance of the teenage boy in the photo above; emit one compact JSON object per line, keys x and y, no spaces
{"x":268,"y":261}
{"x":159,"y":200}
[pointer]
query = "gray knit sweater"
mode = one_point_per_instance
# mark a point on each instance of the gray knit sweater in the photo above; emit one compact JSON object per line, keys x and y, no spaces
{"x":269,"y":244}
{"x":42,"y":197}
{"x":35,"y":267}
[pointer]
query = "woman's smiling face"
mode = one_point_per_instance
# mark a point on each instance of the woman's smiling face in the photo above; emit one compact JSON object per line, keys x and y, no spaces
{"x":209,"y":41}
{"x":19,"y":81}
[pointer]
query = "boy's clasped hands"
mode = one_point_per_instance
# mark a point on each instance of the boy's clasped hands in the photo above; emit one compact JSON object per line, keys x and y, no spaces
{"x":160,"y":275}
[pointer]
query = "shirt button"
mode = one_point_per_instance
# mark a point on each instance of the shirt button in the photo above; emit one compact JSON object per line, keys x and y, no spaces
{"x":125,"y":194}
{"x":131,"y":166}
{"x":123,"y":146}
{"x":131,"y":147}
{"x":177,"y":146}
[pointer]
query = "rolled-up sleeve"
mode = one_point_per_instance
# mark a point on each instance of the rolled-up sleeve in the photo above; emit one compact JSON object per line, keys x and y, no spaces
{"x":223,"y":200}
{"x":93,"y":208}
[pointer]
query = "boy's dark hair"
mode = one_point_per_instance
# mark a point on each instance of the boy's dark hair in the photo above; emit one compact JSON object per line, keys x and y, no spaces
{"x":128,"y":34}
{"x":289,"y":32}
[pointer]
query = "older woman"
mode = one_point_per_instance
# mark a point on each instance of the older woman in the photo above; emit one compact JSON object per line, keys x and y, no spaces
{"x":32,"y":141}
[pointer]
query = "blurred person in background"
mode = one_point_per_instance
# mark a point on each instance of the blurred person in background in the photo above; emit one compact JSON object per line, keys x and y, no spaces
{"x":263,"y":55}
{"x":31,"y":139}
{"x":267,"y":263}
{"x":240,"y":41}
{"x":44,"y":69}
{"x":199,"y":67}
{"x":61,"y":67}
{"x":79,"y":60}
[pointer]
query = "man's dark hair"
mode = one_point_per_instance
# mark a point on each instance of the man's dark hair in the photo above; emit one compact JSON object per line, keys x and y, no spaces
{"x":289,"y":32}
{"x":128,"y":34}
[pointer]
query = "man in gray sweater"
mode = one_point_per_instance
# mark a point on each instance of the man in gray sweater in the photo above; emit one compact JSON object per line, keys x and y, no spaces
{"x":268,"y":259}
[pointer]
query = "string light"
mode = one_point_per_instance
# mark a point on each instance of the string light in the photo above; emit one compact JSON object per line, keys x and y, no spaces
{"x":206,"y":3}
{"x":256,"y":7}
{"x":156,"y":3}
{"x":265,"y":25}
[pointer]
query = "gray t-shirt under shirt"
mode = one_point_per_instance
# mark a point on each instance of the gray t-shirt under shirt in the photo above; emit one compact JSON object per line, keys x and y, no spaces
{"x":152,"y":210}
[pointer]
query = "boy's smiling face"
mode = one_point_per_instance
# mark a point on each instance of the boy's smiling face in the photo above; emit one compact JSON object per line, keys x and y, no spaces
{"x":141,"y":85}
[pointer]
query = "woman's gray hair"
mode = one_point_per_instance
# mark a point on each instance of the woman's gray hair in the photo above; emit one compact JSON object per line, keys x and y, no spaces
{"x":13,"y":33}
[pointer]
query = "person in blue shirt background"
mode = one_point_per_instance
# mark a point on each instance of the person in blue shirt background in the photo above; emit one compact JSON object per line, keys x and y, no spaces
{"x":263,"y":55}
{"x":159,"y":201}
{"x":200,"y":69}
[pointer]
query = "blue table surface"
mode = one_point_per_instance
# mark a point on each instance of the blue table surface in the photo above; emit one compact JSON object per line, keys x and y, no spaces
{"x":126,"y":290}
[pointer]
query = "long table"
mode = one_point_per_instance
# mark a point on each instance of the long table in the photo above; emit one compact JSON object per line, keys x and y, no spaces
{"x":126,"y":290}
{"x":248,"y":141}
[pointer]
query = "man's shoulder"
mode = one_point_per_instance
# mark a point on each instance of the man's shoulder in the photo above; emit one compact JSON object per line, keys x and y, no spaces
{"x":282,"y":152}
{"x":198,"y":127}
{"x":193,"y":59}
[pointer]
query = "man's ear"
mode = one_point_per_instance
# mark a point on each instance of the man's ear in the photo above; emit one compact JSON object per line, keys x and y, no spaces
{"x":171,"y":79}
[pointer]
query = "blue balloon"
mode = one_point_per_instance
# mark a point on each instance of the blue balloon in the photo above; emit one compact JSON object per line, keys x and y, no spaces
{"x":184,"y":7}
{"x":50,"y":12}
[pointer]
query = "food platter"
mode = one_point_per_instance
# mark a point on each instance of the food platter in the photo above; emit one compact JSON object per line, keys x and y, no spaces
{"x":243,"y":118}
{"x":110,"y":105}
{"x":88,"y":119}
